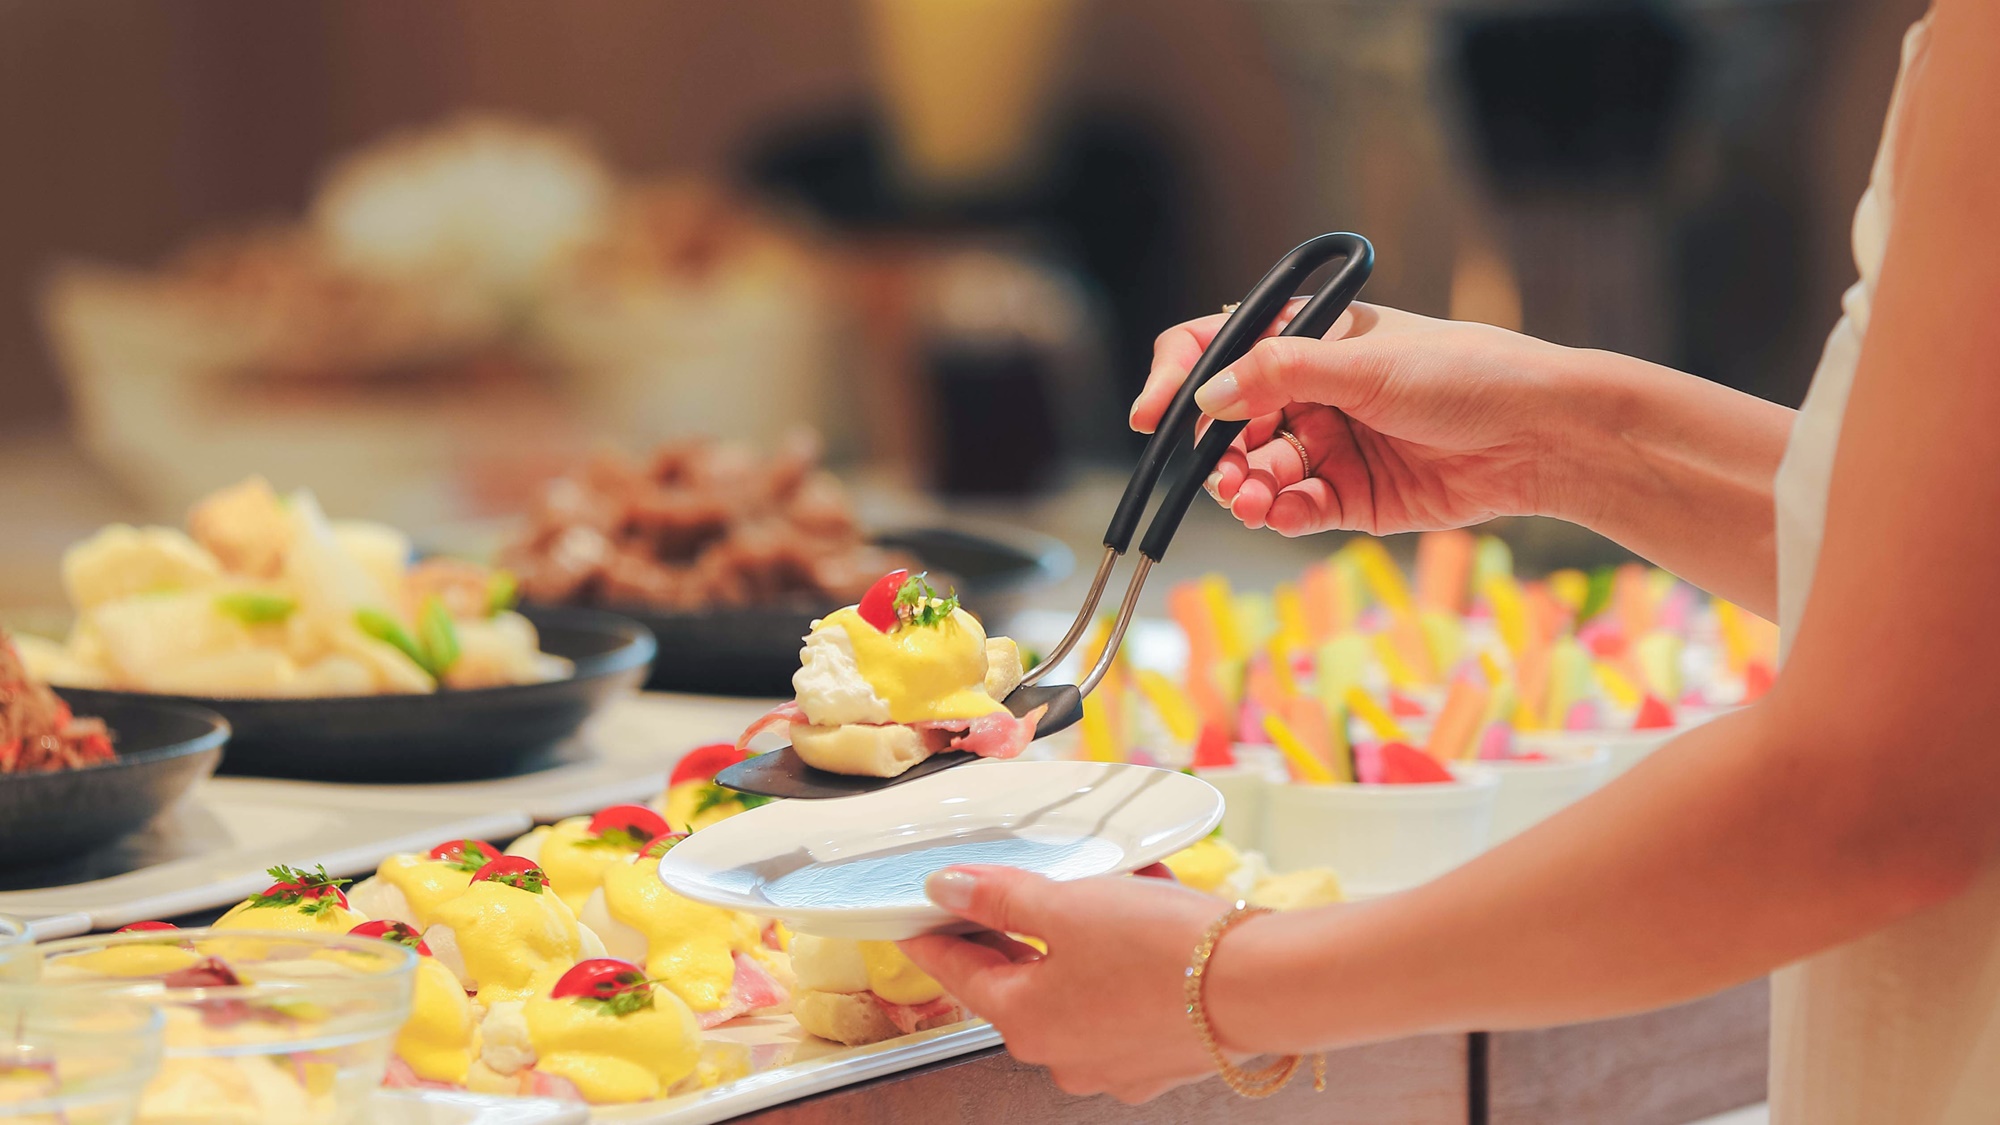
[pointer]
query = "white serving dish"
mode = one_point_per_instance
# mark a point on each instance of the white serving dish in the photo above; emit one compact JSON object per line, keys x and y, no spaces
{"x":1531,"y":792}
{"x":1380,"y":839}
{"x":855,"y":867}
{"x":1625,"y":747}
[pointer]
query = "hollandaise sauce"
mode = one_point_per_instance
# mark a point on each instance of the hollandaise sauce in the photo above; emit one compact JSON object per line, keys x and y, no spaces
{"x":436,"y":1041}
{"x":894,"y":977}
{"x":615,"y":1058}
{"x":690,"y":946}
{"x":513,"y":941}
{"x":426,"y":883}
{"x":575,"y":861}
{"x":923,"y":672}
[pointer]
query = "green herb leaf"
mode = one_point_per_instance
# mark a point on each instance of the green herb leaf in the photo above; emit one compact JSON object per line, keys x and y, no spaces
{"x":309,"y":895}
{"x":470,"y":858}
{"x":253,"y":608}
{"x":712,"y":796}
{"x":636,"y":998}
{"x":437,"y":636}
{"x":389,"y":631}
{"x":620,"y":839}
{"x":917,"y":604}
{"x":503,"y":592}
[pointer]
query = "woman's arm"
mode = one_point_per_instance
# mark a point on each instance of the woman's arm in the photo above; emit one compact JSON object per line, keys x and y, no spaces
{"x":1861,"y":789}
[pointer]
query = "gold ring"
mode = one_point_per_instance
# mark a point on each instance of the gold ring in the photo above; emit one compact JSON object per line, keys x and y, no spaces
{"x":1305,"y":459}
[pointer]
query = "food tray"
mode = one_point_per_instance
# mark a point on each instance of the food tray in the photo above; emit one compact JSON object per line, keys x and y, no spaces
{"x":791,"y":1065}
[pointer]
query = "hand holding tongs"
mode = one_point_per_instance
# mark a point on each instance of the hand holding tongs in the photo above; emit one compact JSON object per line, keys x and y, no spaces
{"x":783,"y":774}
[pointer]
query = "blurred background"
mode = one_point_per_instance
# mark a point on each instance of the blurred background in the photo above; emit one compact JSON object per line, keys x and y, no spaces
{"x":419,"y":256}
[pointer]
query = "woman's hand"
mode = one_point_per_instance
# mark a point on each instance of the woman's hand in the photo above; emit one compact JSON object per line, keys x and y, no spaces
{"x":1411,"y":423}
{"x":1103,"y":1009}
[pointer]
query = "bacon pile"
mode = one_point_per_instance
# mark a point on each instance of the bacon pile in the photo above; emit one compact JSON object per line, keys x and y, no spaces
{"x":697,"y":524}
{"x":37,"y":732}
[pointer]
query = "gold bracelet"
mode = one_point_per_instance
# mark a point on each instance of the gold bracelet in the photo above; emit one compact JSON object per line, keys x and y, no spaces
{"x":1249,"y":1083}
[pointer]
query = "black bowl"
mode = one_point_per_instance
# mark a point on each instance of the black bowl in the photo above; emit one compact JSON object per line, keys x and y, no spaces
{"x":753,"y":651}
{"x":447,"y":736}
{"x":163,"y":749}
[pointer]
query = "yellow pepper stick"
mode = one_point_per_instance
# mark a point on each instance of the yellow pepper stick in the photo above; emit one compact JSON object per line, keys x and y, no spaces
{"x":1385,"y":580}
{"x":1735,"y":637}
{"x":1339,"y":753}
{"x":1100,"y":742}
{"x":1491,"y":667}
{"x":1618,"y":686}
{"x":1174,"y":709}
{"x":1510,"y":613}
{"x":1381,"y":722}
{"x":1305,"y":767}
{"x":1570,"y":587}
{"x":1229,"y":638}
{"x":1401,"y":675}
{"x":1294,"y":632}
{"x":1444,"y":636}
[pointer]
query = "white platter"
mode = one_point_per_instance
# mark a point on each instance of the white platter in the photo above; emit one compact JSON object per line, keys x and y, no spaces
{"x":855,"y":867}
{"x":212,"y":849}
{"x":792,"y":1065}
{"x":452,"y":1107}
{"x":623,"y":754}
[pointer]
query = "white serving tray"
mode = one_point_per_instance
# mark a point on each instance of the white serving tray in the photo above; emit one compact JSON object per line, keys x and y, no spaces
{"x":793,"y":1065}
{"x":451,"y":1107}
{"x":624,"y":754}
{"x":212,"y":849}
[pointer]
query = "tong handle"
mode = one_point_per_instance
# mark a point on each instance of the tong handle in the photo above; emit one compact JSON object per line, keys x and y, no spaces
{"x":1236,"y":337}
{"x":1315,"y":320}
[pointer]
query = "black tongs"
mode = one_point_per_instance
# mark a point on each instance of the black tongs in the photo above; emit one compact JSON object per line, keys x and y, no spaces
{"x":782,"y":773}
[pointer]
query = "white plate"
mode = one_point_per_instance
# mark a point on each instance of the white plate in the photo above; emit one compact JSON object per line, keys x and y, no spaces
{"x":212,"y":849}
{"x":855,"y":867}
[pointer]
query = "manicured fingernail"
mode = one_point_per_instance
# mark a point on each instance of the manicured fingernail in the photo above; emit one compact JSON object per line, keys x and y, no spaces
{"x":951,"y":890}
{"x":1213,"y":484}
{"x":1219,"y":393}
{"x":1132,"y":415}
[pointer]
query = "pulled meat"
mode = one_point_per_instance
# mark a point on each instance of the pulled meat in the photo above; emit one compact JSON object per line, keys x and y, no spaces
{"x":696,"y":525}
{"x":37,"y":732}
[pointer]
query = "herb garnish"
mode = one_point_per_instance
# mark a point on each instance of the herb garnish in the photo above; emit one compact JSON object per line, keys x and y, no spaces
{"x":712,"y":796}
{"x":313,"y":892}
{"x":917,"y":604}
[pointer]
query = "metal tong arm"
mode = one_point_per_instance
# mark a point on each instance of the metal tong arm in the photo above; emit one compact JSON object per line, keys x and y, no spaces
{"x":1234,"y":340}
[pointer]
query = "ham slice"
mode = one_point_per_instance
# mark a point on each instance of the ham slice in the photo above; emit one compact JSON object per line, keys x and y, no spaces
{"x":999,"y":735}
{"x":784,"y":714}
{"x":753,"y":990}
{"x":399,"y":1076}
{"x":909,"y":1018}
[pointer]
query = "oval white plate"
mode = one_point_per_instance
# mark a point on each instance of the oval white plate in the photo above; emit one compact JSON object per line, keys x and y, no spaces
{"x":855,"y":867}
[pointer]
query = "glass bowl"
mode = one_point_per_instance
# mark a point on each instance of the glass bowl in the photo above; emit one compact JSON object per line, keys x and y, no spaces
{"x":259,"y":1027}
{"x":74,"y":1059}
{"x":20,"y":960}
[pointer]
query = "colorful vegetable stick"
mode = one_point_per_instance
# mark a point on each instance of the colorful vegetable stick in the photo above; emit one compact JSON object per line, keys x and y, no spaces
{"x":1305,"y":767}
{"x":1173,"y":706}
{"x":1658,"y":655}
{"x":1100,"y":741}
{"x":1491,"y":558}
{"x":1510,"y":613}
{"x":1569,"y":682}
{"x":1319,"y":596}
{"x":1384,"y":725}
{"x":1340,"y":665}
{"x":1306,"y":718}
{"x":1444,"y":570}
{"x":1455,"y":735}
{"x":1385,"y":578}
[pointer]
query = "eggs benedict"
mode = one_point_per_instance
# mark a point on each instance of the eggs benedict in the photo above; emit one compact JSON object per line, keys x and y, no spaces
{"x":302,"y":901}
{"x":721,"y":963}
{"x":508,"y":936}
{"x":1214,"y":866}
{"x":902,"y":675}
{"x":410,"y":888}
{"x":601,"y":1033}
{"x":436,"y":1046}
{"x":577,"y":851}
{"x":857,"y":992}
{"x":693,"y":800}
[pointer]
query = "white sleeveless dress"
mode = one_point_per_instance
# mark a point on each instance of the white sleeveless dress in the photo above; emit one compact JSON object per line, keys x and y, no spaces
{"x":1901,"y":1027}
